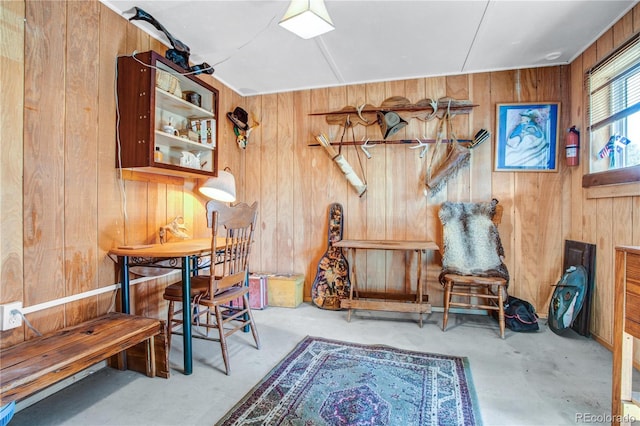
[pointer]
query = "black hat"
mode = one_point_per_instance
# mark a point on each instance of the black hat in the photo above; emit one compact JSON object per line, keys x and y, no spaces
{"x":239,"y":118}
{"x":390,"y":123}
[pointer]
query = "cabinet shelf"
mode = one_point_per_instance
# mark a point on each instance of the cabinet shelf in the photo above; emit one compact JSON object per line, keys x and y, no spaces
{"x":147,"y":103}
{"x":175,"y":142}
{"x":178,"y":106}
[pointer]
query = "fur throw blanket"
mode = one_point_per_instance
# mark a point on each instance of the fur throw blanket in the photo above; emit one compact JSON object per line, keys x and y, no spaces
{"x":472,"y":244}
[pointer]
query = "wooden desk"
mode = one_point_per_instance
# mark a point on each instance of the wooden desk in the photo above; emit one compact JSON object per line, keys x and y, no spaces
{"x":626,"y":326}
{"x":409,"y":302}
{"x":188,"y":251}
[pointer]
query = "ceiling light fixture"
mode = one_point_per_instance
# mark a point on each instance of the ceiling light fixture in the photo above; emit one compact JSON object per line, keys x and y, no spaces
{"x":221,"y":188}
{"x":552,"y":56}
{"x":307,"y":18}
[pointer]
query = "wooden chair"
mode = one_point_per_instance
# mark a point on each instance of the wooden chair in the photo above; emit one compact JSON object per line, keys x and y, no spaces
{"x":221,"y":299}
{"x":473,"y":270}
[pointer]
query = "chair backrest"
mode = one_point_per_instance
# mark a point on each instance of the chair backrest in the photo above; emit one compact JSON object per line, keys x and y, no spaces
{"x":472,"y":244}
{"x":224,"y":210}
{"x":234,"y":226}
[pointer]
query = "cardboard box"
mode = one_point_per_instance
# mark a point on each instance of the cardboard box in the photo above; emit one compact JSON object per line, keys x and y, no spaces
{"x":285,"y":290}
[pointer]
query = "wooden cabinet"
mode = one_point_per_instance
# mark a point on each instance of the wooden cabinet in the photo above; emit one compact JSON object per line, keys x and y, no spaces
{"x":626,"y":326}
{"x":166,"y":120}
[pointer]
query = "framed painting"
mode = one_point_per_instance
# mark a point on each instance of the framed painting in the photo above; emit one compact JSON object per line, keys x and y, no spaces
{"x":527,"y":137}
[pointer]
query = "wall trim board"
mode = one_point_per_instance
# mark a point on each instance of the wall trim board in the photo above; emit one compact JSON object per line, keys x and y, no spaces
{"x":612,"y":191}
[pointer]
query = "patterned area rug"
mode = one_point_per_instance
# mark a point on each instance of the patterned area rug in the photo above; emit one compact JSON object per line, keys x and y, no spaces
{"x":327,"y":382}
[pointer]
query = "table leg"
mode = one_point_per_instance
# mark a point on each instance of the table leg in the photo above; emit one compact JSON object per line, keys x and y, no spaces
{"x":194,"y":265}
{"x":124,"y":284}
{"x":419,"y":284}
{"x":353,"y":287}
{"x":125,"y":303}
{"x":186,"y":315}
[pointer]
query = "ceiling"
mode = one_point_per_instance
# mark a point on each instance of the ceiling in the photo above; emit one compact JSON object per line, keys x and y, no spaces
{"x":376,"y":40}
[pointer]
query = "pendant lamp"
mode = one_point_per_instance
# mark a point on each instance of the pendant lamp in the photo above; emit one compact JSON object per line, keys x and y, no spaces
{"x":307,"y":18}
{"x":221,"y":188}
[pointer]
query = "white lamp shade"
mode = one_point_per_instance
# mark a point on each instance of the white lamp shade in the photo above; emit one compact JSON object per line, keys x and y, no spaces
{"x":221,"y":188}
{"x":307,"y":18}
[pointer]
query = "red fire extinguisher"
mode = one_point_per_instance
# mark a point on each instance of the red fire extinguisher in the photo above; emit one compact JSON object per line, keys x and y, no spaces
{"x":572,"y":146}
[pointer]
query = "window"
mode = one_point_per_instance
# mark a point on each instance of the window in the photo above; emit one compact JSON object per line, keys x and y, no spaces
{"x":614,"y":117}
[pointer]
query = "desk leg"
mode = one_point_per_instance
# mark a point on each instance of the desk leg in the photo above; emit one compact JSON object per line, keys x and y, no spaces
{"x":186,"y":314}
{"x":419,"y":284}
{"x":353,"y":287}
{"x":124,"y":284}
{"x":125,"y":304}
{"x":194,"y":265}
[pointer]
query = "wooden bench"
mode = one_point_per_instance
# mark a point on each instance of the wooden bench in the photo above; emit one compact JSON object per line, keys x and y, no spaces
{"x":127,"y":341}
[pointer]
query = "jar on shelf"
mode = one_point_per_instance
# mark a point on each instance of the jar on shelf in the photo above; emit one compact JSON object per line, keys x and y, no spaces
{"x":157,"y":157}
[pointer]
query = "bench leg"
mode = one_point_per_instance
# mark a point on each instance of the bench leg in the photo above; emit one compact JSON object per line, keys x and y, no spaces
{"x":151,"y":357}
{"x":141,"y":357}
{"x":118,"y":361}
{"x":161,"y":354}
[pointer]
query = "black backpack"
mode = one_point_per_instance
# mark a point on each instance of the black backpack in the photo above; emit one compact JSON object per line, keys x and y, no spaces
{"x":520,"y":315}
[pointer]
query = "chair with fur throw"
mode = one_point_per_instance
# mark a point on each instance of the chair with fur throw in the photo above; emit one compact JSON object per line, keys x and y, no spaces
{"x":473,"y":270}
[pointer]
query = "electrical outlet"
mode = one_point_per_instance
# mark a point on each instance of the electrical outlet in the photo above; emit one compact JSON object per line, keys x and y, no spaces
{"x":9,"y":319}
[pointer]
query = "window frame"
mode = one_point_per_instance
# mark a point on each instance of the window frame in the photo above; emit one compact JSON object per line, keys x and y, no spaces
{"x":612,"y":177}
{"x":623,"y":175}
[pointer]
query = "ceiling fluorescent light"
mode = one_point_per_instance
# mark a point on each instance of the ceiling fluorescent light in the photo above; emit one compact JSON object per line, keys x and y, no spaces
{"x":221,"y":188}
{"x":307,"y":18}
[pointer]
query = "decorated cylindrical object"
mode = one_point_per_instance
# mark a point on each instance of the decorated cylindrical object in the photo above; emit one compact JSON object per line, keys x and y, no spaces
{"x":346,"y":168}
{"x":351,"y":176}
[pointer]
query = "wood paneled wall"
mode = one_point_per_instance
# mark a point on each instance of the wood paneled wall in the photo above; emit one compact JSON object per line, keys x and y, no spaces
{"x":63,"y":203}
{"x":295,"y":182}
{"x":613,"y":219}
{"x":11,"y":123}
{"x":73,"y":202}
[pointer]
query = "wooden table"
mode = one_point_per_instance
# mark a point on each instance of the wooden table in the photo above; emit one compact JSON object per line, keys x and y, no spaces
{"x":186,"y":250}
{"x":625,"y":404}
{"x":408,"y":302}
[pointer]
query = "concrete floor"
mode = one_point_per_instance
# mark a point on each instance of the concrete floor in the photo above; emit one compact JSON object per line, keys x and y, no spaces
{"x":525,"y":379}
